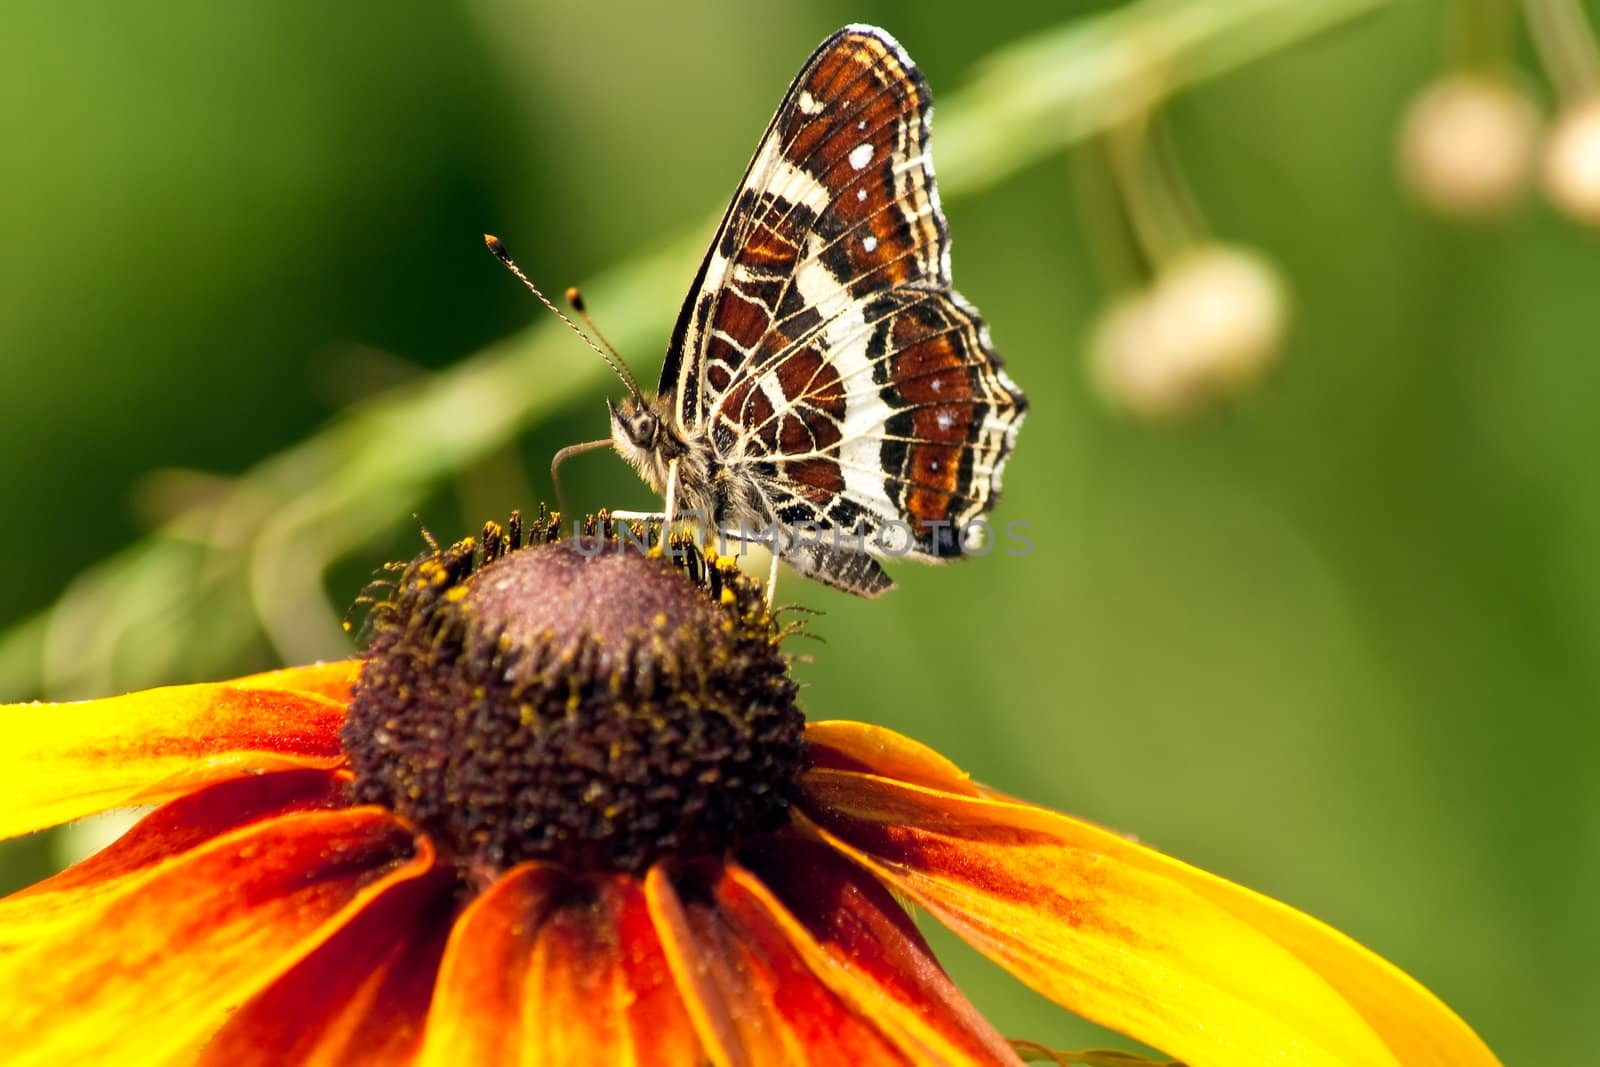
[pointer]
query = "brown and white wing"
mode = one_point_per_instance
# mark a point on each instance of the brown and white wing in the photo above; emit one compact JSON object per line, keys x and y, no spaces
{"x":822,"y":347}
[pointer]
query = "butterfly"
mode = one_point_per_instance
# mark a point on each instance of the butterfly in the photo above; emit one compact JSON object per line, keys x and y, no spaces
{"x":825,"y":388}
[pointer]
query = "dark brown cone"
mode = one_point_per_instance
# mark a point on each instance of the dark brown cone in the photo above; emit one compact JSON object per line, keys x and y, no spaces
{"x":601,"y":711}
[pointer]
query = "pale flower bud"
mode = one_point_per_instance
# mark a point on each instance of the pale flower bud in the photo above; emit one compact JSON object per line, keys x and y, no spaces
{"x":1572,"y":162}
{"x":1467,"y":144}
{"x":1211,"y":323}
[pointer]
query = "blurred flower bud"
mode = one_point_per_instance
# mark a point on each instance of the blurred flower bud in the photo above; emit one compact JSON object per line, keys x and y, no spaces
{"x":1209,"y":325}
{"x":1467,"y":144}
{"x":1572,"y":162}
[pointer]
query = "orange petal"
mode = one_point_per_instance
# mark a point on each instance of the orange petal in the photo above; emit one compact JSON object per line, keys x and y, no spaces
{"x":144,"y":974}
{"x":867,"y":949}
{"x":164,"y":834}
{"x":332,"y":680}
{"x":599,"y":988}
{"x":64,"y":761}
{"x":855,"y":746}
{"x":546,"y":970}
{"x":1205,"y":970}
{"x":703,"y":997}
{"x":476,"y":1014}
{"x":750,"y":991}
{"x":359,"y":998}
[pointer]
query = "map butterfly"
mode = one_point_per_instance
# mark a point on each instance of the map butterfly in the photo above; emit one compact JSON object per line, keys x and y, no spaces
{"x":823,"y":376}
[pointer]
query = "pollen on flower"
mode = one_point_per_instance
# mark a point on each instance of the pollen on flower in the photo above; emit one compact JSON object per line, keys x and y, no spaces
{"x":575,"y":701}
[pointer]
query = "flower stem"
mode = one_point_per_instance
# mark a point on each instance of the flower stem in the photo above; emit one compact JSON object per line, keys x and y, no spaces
{"x":1566,"y":46}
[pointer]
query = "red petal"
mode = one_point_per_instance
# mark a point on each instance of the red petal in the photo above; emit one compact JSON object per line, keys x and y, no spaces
{"x":360,"y":997}
{"x":147,"y":971}
{"x":64,"y":761}
{"x":874,"y":955}
{"x":547,"y":970}
{"x":166,"y":833}
{"x":702,"y":997}
{"x":600,"y":990}
{"x":750,"y":992}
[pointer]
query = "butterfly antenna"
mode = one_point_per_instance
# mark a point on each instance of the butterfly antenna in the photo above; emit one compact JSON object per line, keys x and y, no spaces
{"x":575,"y":299}
{"x":619,"y":368}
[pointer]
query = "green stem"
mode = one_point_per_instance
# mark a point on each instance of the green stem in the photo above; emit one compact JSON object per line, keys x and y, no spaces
{"x":1566,"y":46}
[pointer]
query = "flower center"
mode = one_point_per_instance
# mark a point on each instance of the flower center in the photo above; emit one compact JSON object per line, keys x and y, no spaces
{"x":575,"y":702}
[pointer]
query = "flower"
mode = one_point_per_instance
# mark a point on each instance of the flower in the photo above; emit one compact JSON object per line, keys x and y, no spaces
{"x":1208,"y":326}
{"x":364,"y":862}
{"x":1571,"y":165}
{"x":1467,"y":144}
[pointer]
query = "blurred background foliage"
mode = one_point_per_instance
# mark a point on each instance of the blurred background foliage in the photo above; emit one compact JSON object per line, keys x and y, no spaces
{"x":1338,"y":639}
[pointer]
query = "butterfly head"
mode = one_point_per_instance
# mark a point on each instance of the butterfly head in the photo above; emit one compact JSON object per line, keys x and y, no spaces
{"x":635,"y":421}
{"x":642,"y":432}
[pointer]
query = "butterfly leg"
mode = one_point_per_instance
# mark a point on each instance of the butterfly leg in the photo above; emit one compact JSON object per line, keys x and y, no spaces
{"x":772,"y":579}
{"x":560,"y":458}
{"x":671,"y":509}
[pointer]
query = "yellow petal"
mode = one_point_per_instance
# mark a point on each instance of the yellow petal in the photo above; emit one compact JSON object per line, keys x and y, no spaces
{"x":1207,"y":971}
{"x":63,"y":761}
{"x":332,"y":680}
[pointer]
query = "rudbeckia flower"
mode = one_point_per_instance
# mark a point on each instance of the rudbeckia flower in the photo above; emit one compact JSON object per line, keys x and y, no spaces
{"x":566,"y":810}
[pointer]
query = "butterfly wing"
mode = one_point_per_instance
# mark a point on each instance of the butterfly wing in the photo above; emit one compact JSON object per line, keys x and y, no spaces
{"x":822,"y":350}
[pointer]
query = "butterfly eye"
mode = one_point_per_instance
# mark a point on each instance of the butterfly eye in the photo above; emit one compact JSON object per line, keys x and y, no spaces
{"x":643,"y":429}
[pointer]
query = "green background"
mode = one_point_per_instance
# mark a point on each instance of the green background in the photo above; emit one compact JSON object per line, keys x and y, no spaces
{"x":1340,"y":642}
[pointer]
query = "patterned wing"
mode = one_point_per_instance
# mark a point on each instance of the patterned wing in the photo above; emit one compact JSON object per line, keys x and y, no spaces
{"x":822,"y":350}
